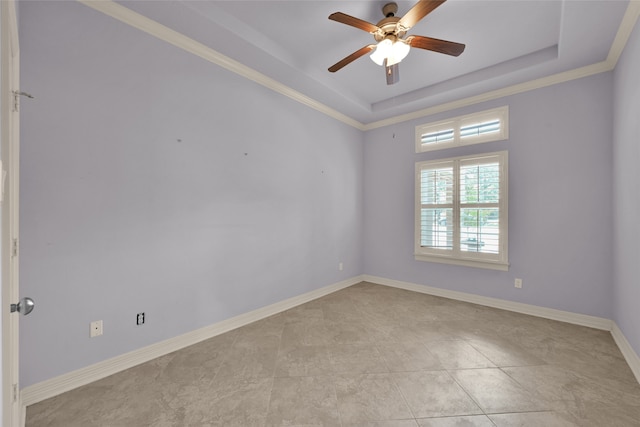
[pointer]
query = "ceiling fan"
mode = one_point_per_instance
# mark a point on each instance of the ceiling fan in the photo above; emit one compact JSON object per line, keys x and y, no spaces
{"x":391,"y":48}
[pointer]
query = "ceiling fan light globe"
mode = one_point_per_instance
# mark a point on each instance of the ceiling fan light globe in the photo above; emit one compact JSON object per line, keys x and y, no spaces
{"x":383,"y":50}
{"x":377,"y":57}
{"x":399,"y":51}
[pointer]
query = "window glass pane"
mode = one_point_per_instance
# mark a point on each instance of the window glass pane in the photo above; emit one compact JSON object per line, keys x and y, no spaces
{"x":461,"y":210}
{"x":480,"y":128}
{"x":480,"y":230}
{"x":480,"y":183}
{"x":436,"y":137}
{"x":436,"y":228}
{"x":436,"y":186}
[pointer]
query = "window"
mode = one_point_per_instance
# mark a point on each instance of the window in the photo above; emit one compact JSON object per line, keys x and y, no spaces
{"x":461,"y":211}
{"x":485,"y":126}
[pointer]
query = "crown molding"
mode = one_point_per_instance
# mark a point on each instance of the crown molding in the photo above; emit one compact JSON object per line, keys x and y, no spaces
{"x":136,"y":20}
{"x":179,"y":40}
{"x":629,"y":20}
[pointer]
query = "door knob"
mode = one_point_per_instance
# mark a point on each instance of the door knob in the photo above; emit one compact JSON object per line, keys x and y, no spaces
{"x":24,"y":306}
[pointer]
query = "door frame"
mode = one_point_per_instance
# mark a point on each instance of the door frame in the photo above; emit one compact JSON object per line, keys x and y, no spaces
{"x":12,"y":410}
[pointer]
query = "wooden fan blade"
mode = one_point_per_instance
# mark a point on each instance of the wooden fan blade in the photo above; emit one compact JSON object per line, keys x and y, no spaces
{"x":419,"y":11}
{"x":354,"y":22}
{"x":349,"y":59}
{"x":436,"y":45}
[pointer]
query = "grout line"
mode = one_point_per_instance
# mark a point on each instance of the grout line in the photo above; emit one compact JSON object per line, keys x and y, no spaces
{"x":335,"y":395}
{"x":406,"y":402}
{"x":468,"y":393}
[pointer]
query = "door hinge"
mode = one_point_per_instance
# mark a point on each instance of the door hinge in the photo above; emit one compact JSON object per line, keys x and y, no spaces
{"x":16,"y":99}
{"x":15,"y":392}
{"x":14,"y":248}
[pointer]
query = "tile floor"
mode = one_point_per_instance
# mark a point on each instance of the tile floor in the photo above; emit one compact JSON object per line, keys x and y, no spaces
{"x":371,"y":355}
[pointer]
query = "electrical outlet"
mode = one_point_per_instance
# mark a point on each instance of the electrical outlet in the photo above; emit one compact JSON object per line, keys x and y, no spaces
{"x":340,"y":266}
{"x":140,"y":319}
{"x":518,"y":283}
{"x":96,"y":328}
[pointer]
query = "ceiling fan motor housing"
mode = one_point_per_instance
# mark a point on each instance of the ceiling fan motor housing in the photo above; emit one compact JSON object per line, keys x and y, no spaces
{"x":389,"y":24}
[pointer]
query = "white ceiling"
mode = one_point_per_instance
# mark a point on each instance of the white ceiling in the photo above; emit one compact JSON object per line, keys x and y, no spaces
{"x":507,"y":42}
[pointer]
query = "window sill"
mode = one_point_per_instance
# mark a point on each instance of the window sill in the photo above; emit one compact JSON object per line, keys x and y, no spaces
{"x":490,"y":265}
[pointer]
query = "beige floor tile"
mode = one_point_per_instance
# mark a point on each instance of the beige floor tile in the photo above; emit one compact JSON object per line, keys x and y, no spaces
{"x":534,"y":419}
{"x":198,"y":362}
{"x":434,"y":394}
{"x":503,"y":352}
{"x":383,"y":423}
{"x":303,"y":361}
{"x":264,"y":333}
{"x":412,"y":356}
{"x":595,"y":362}
{"x":341,"y":308}
{"x":559,"y":383}
{"x":370,"y":397}
{"x":308,"y":332}
{"x":550,"y":382}
{"x":469,"y":421}
{"x":393,"y":332}
{"x":599,"y":364}
{"x":599,"y":416}
{"x":356,"y":358}
{"x":248,"y":363}
{"x":428,"y":331}
{"x":444,"y":312}
{"x":370,"y":356}
{"x":474,"y":329}
{"x":235,"y":402}
{"x":302,"y":313}
{"x":351,"y":332}
{"x":71,"y":409}
{"x":412,"y":309}
{"x":458,"y":354}
{"x":309,"y":401}
{"x":496,"y":392}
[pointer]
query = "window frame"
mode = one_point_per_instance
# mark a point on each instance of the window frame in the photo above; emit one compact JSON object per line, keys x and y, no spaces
{"x":457,"y":123}
{"x":455,"y":255}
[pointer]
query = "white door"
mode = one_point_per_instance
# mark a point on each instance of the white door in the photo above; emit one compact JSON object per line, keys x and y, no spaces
{"x":9,"y":132}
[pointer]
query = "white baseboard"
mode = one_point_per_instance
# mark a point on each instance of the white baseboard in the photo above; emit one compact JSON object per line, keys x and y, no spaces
{"x":629,"y":354}
{"x":533,"y":310}
{"x":55,"y":386}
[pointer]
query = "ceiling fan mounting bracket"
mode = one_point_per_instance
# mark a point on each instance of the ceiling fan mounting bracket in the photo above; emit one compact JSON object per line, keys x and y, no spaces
{"x":390,"y":9}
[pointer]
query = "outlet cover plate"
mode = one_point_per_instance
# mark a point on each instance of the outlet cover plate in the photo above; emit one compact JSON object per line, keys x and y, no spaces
{"x":96,"y":328}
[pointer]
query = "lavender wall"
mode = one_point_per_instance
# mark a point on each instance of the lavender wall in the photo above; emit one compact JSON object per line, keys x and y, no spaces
{"x":626,"y":178}
{"x":560,"y":227}
{"x":155,"y":181}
